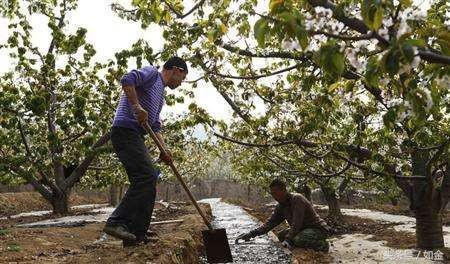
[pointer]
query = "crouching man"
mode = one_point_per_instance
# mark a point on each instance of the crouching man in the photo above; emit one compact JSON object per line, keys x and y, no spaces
{"x":307,"y":229}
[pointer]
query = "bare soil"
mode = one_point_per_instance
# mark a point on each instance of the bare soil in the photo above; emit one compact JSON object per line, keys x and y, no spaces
{"x":173,"y":243}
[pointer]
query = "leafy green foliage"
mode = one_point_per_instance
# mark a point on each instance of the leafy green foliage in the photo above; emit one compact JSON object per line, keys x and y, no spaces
{"x":372,"y":13}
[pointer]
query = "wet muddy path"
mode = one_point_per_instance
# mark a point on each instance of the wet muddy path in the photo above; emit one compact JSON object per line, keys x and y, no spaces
{"x":236,"y":221}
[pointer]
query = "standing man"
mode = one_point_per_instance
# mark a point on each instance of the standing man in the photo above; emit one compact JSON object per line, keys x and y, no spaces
{"x":140,"y":103}
{"x":307,"y":229}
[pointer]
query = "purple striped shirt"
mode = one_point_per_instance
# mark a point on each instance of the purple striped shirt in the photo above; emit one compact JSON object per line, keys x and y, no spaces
{"x":149,"y":87}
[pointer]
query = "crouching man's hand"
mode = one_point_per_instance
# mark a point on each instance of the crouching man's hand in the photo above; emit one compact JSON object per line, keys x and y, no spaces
{"x":286,"y":244}
{"x":246,"y":237}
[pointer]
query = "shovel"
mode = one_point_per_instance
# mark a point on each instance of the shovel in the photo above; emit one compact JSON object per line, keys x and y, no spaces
{"x":215,"y":240}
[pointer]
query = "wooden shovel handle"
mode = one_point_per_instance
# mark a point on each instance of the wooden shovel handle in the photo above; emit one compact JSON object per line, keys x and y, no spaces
{"x":178,"y":175}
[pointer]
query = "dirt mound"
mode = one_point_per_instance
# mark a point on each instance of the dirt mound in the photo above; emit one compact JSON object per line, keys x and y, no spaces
{"x":15,"y":203}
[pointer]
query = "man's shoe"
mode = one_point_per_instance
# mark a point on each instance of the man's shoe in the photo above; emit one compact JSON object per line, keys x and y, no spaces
{"x":119,"y":232}
{"x":130,"y":243}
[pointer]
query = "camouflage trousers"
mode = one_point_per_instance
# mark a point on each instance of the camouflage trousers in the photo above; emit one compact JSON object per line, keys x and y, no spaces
{"x":313,"y":238}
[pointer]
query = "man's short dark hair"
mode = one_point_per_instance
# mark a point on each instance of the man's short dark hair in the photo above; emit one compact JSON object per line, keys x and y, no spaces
{"x":176,"y":62}
{"x":278,"y":183}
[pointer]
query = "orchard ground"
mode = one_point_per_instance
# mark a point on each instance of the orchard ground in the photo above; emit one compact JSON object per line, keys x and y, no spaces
{"x":359,"y":237}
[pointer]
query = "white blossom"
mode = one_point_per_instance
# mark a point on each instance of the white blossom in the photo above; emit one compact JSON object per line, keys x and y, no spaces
{"x":444,"y":81}
{"x":402,"y":115}
{"x":384,"y":81}
{"x":404,"y":68}
{"x":446,"y":99}
{"x":361,"y":44}
{"x":355,"y":61}
{"x":309,"y":24}
{"x":394,"y":102}
{"x":403,"y":28}
{"x":384,"y":33}
{"x":290,"y":44}
{"x":428,"y":99}
{"x":323,"y":12}
{"x":415,"y":62}
{"x":388,"y":22}
{"x":420,"y":14}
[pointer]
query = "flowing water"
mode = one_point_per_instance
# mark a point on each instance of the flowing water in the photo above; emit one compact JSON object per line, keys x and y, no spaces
{"x":236,"y":221}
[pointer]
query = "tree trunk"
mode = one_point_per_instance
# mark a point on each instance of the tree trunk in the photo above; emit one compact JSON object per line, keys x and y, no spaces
{"x":304,"y":190}
{"x":429,"y":230}
{"x":348,"y":196}
{"x":426,"y":201}
{"x":114,"y":195}
{"x":60,"y":203}
{"x":167,"y":197}
{"x":394,"y":201}
{"x":334,"y":209}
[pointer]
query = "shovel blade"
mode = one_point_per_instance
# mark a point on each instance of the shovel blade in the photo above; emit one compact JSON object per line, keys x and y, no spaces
{"x":216,"y":246}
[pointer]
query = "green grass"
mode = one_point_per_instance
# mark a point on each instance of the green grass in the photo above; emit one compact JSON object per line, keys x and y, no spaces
{"x":13,"y":247}
{"x":3,"y":232}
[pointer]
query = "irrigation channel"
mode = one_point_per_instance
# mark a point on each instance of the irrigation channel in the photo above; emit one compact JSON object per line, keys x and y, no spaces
{"x":236,"y":221}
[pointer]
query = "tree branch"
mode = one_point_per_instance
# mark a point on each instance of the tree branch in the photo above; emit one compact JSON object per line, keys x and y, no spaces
{"x":60,"y":25}
{"x":180,"y":15}
{"x":313,"y":154}
{"x":333,"y":174}
{"x":342,"y":37}
{"x":245,"y":116}
{"x":253,"y":77}
{"x":54,"y":146}
{"x":196,"y":80}
{"x":31,"y":157}
{"x":359,"y":26}
{"x":436,"y":156}
{"x":29,"y":178}
{"x":284,"y":143}
{"x":84,"y":165}
{"x":75,"y":137}
{"x":262,"y":97}
{"x":273,"y":54}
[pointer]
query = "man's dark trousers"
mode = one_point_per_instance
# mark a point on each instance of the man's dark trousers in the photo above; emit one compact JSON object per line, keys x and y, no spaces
{"x":135,"y":210}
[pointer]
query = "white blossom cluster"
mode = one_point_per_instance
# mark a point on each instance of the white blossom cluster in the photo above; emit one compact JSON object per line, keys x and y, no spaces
{"x":403,"y":28}
{"x":395,"y":102}
{"x":384,"y":81}
{"x":447,"y":16}
{"x":358,"y":62}
{"x":426,"y":93}
{"x":444,"y":81}
{"x":407,"y":112}
{"x":415,"y":13}
{"x":323,"y":12}
{"x":352,"y":53}
{"x":289,"y":44}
